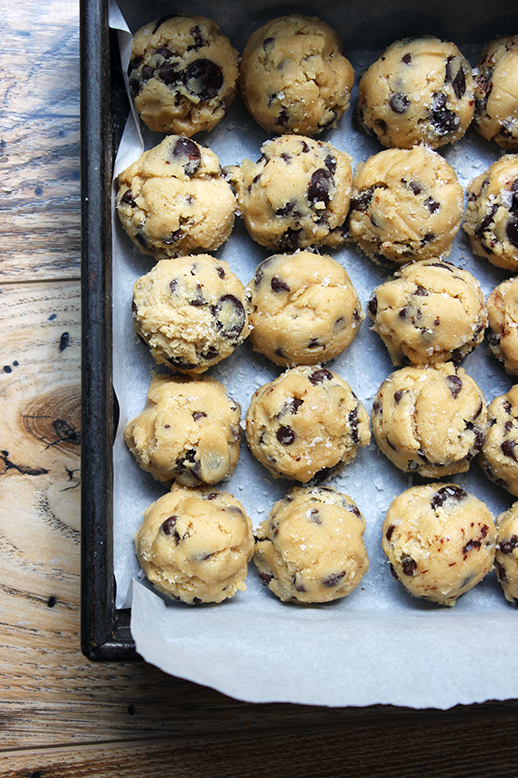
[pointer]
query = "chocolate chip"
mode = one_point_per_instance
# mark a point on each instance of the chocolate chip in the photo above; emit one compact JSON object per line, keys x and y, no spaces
{"x":511,"y":230}
{"x":198,"y":299}
{"x":134,"y":87}
{"x":372,"y":305}
{"x":486,"y":221}
{"x":289,"y":239}
{"x":508,"y":449}
{"x":363,"y":200}
{"x":314,"y":516}
{"x":197,"y":35}
{"x":265,"y":578}
{"x":319,"y":376}
{"x":278,"y":285}
{"x":128,"y":199}
{"x":184,"y":147}
{"x":289,"y":210}
{"x":470,"y":545}
{"x":447,"y":492}
{"x":173,"y":238}
{"x":285,"y":435}
{"x":455,"y":385}
{"x":443,"y":119}
{"x":353,"y":421}
{"x":220,"y":271}
{"x":420,"y":291}
{"x":415,"y":187}
{"x":508,"y":546}
{"x":314,"y":343}
{"x":458,"y":81}
{"x":320,"y":184}
{"x":390,"y":530}
{"x":283,"y":118}
{"x":427,"y":238}
{"x":323,"y":473}
{"x":333,"y":580}
{"x":408,"y":565}
{"x":432,"y":205}
{"x":500,"y":572}
{"x":162,"y":20}
{"x":406,"y":58}
{"x":305,"y":147}
{"x":267,"y":43}
{"x":199,"y":415}
{"x":169,"y":74}
{"x":330,"y":163}
{"x":203,"y":78}
{"x":168,"y":527}
{"x":229,"y":315}
{"x":399,"y":103}
{"x":397,"y":396}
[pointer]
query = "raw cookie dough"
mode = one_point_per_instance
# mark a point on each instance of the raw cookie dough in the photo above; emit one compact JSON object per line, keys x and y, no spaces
{"x":182,"y":74}
{"x":174,"y":201}
{"x":502,"y":334}
{"x":491,"y":217}
{"x":506,"y":557}
{"x":429,"y":312}
{"x":499,"y":455}
{"x":439,"y":540}
{"x":496,"y":92}
{"x":406,"y":204}
{"x":306,"y":424}
{"x":304,"y":309}
{"x":293,"y":76}
{"x":430,"y":420}
{"x":195,"y":544}
{"x":310,"y":548}
{"x":419,"y":91}
{"x":296,"y":195}
{"x":191,"y":312}
{"x":188,"y":431}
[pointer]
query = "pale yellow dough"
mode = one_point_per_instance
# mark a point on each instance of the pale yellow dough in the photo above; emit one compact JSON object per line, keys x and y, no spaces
{"x":174,"y":201}
{"x":439,"y":540}
{"x":304,"y":309}
{"x":306,"y":423}
{"x":311,"y":548}
{"x":506,"y":557}
{"x":502,"y":311}
{"x":499,"y":455}
{"x":195,"y":545}
{"x":183,"y":74}
{"x":188,"y":431}
{"x":496,"y":92}
{"x":293,"y":76}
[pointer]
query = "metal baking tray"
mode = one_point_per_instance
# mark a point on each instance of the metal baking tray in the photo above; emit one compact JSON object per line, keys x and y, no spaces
{"x":105,"y":632}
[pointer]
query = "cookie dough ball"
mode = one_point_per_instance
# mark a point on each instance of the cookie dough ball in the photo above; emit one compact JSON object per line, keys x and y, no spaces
{"x":310,"y":548}
{"x":406,"y":204}
{"x":502,"y":312}
{"x":188,"y":431}
{"x":304,"y":309}
{"x":306,"y":424}
{"x":182,"y":74}
{"x":296,"y":195}
{"x":195,"y":545}
{"x":430,"y":420}
{"x":191,"y":312}
{"x":419,"y":91}
{"x":294,"y":77}
{"x":496,"y":92}
{"x":429,"y":312}
{"x":439,"y":540}
{"x":174,"y":201}
{"x":491,"y":217}
{"x":499,"y":455}
{"x":506,"y":557}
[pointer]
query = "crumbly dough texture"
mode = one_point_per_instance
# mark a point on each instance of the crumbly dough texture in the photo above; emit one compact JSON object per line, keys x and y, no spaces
{"x":429,"y":312}
{"x":502,"y":334}
{"x":182,"y":74}
{"x":294,"y":77}
{"x":439,"y":540}
{"x":430,"y":420}
{"x":311,"y":548}
{"x":187,"y":432}
{"x":506,"y":557}
{"x":491,"y":216}
{"x":174,"y":201}
{"x":306,"y":424}
{"x":191,"y":312}
{"x":195,"y":545}
{"x":406,"y":205}
{"x":420,"y":90}
{"x":304,"y":309}
{"x":496,"y":92}
{"x":296,"y":195}
{"x":499,"y":455}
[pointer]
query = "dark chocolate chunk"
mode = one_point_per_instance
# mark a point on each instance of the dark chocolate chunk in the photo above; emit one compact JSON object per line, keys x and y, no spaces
{"x":319,"y":187}
{"x":220,"y":271}
{"x":353,"y":421}
{"x":289,"y":210}
{"x":198,"y":299}
{"x":399,"y":103}
{"x":390,"y":530}
{"x":432,"y":205}
{"x":406,"y":58}
{"x":415,"y":187}
{"x":372,"y":305}
{"x":486,"y":221}
{"x":443,"y":119}
{"x":184,"y":147}
{"x":168,"y":527}
{"x":333,"y":580}
{"x":319,"y":376}
{"x":289,"y":239}
{"x":265,"y":578}
{"x":508,"y":447}
{"x":278,"y":285}
{"x":285,"y":435}
{"x":199,"y":415}
{"x":470,"y":545}
{"x":229,"y":315}
{"x":203,"y":78}
{"x":451,"y":492}
{"x":455,"y":385}
{"x":330,"y":163}
{"x":398,"y":395}
{"x":162,"y":20}
{"x":128,"y":199}
{"x":362,"y":202}
{"x":508,"y":546}
{"x":169,"y":74}
{"x":408,"y":565}
{"x":420,"y":291}
{"x":511,"y":230}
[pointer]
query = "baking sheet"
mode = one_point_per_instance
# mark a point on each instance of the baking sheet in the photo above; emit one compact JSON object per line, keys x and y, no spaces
{"x":378,"y":645}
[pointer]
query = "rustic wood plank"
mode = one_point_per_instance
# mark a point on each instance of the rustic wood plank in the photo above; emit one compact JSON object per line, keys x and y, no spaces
{"x":39,"y":140}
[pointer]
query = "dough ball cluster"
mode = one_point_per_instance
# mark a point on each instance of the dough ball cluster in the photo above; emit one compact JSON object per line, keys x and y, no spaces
{"x":430,"y":420}
{"x":191,"y":312}
{"x":429,"y":312}
{"x":296,"y":195}
{"x":496,"y":92}
{"x":439,"y":540}
{"x":182,"y":74}
{"x":188,"y":432}
{"x":406,"y":205}
{"x":174,"y":201}
{"x":502,"y":334}
{"x":506,"y":556}
{"x":194,"y":545}
{"x":294,"y":77}
{"x":306,"y":424}
{"x":311,"y":548}
{"x":491,"y":217}
{"x":420,"y":90}
{"x":304,"y":309}
{"x":499,"y":455}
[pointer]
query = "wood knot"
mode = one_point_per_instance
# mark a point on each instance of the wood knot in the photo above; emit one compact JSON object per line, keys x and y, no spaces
{"x":55,"y":419}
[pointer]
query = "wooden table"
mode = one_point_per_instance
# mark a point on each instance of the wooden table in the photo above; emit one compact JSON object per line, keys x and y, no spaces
{"x":60,"y":714}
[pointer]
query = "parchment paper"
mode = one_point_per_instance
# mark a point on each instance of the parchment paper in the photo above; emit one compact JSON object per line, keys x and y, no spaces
{"x":378,"y":645}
